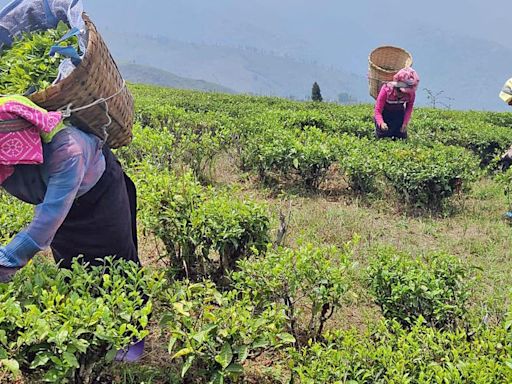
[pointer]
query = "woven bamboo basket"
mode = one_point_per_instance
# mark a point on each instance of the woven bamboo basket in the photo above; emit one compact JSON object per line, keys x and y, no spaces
{"x":383,"y":63}
{"x":96,"y":77}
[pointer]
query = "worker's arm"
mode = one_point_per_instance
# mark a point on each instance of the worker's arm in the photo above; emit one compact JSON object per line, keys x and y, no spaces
{"x":379,"y":105}
{"x":66,"y":171}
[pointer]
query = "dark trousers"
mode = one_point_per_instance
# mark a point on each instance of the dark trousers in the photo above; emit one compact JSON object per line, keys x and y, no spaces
{"x":102,"y":222}
{"x":394,"y":119}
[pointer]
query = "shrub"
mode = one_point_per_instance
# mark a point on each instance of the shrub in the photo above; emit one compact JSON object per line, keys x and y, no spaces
{"x":435,"y":288}
{"x":203,"y":229}
{"x":361,"y":161}
{"x":311,"y":282}
{"x":215,"y":333}
{"x":424,"y":177}
{"x":154,"y":145}
{"x":305,"y":152}
{"x":305,"y":119}
{"x":390,"y":354}
{"x":197,"y":138}
{"x":65,"y":326}
{"x":480,"y":133}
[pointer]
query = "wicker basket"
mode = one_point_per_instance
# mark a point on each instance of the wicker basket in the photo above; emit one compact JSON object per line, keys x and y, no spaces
{"x":96,"y":77}
{"x":384,"y":63}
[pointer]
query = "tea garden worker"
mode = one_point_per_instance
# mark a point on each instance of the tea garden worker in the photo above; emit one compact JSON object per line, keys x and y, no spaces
{"x":506,"y":96}
{"x":84,"y":203}
{"x":394,"y":105}
{"x":506,"y":158}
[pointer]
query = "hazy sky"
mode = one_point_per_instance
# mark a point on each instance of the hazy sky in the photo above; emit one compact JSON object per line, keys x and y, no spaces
{"x":305,"y":18}
{"x":337,"y":33}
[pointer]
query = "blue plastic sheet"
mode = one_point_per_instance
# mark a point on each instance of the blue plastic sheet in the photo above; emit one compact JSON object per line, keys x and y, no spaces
{"x":33,"y":15}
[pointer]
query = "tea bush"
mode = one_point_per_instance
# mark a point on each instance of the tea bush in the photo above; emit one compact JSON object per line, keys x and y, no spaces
{"x":65,"y":326}
{"x":212,"y":334}
{"x":435,"y":288}
{"x":153,"y":145}
{"x":424,"y":177}
{"x":421,"y":176}
{"x":480,"y":133}
{"x":196,"y":138}
{"x":203,"y":229}
{"x":361,"y":162}
{"x":390,"y":354}
{"x":306,"y":153}
{"x":312,"y":283}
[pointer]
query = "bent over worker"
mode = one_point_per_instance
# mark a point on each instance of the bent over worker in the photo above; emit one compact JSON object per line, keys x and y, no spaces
{"x":394,"y":105}
{"x":84,"y":202}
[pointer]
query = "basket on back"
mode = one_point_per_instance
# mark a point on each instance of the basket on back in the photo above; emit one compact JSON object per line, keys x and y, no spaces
{"x":96,"y":77}
{"x":384,"y":62}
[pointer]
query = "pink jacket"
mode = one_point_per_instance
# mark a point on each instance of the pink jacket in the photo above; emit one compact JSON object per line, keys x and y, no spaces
{"x":388,"y":99}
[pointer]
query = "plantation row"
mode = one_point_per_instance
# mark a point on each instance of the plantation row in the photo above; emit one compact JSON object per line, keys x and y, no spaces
{"x":229,"y":294}
{"x":484,"y":133}
{"x":282,"y":143}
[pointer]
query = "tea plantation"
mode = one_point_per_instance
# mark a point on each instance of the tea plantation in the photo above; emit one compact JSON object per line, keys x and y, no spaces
{"x":282,"y":243}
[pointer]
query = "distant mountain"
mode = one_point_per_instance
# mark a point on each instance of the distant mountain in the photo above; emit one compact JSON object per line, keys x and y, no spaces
{"x":470,"y":71}
{"x":282,"y":47}
{"x":245,"y":70}
{"x":150,"y":75}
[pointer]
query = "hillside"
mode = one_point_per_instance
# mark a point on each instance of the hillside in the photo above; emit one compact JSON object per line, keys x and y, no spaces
{"x":244,"y":70}
{"x":380,"y":261}
{"x":149,"y":75}
{"x":280,"y":48}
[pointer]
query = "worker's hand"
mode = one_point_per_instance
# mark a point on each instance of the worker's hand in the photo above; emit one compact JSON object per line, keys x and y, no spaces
{"x":384,"y":127}
{"x":6,"y":273}
{"x":403,"y":129}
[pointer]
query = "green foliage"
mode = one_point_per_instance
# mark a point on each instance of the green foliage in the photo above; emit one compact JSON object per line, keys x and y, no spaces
{"x":505,"y":180}
{"x":421,"y":176}
{"x":27,"y":63}
{"x":486,"y":136}
{"x":212,"y":334}
{"x":204,"y":230}
{"x":425,"y":176}
{"x":193,"y":139}
{"x":390,"y":354}
{"x":311,"y":282}
{"x":64,"y":326}
{"x":304,"y":152}
{"x":435,"y":289}
{"x":304,"y":119}
{"x":361,"y":162}
{"x":153,"y":145}
{"x":14,"y":216}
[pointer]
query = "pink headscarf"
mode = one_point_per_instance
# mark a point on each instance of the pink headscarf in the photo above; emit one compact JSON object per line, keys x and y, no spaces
{"x":408,"y":76}
{"x":22,"y":146}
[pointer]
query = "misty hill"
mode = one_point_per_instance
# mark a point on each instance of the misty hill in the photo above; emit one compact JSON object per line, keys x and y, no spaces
{"x":150,"y":75}
{"x":246,"y":70}
{"x":281,"y":47}
{"x":461,"y":50}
